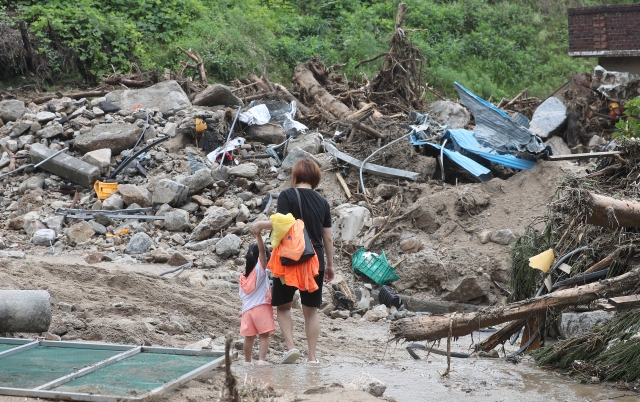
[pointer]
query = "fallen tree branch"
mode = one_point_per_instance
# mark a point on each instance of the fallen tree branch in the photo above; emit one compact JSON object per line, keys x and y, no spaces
{"x":512,"y":101}
{"x":501,"y":336}
{"x":199,"y":62}
{"x":611,"y":213}
{"x":374,"y":58}
{"x":437,"y":327}
{"x":78,"y":95}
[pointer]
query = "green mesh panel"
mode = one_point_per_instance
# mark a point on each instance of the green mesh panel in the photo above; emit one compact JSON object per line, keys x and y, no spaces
{"x":4,"y":347}
{"x":135,"y":375}
{"x":34,"y":367}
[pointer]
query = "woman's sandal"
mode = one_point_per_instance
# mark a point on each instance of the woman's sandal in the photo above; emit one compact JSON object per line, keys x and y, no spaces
{"x":290,"y":357}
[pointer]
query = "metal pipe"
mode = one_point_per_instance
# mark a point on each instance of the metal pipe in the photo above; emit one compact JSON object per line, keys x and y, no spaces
{"x":180,"y":268}
{"x":25,"y":311}
{"x":144,"y":149}
{"x":442,"y":158}
{"x":364,"y":162}
{"x":560,"y":261}
{"x":128,"y":159}
{"x":224,"y":151}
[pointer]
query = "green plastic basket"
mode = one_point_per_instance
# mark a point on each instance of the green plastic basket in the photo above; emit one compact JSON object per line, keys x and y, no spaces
{"x":374,"y":266}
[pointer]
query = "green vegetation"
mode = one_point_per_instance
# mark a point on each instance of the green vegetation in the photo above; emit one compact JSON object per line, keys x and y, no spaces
{"x":629,"y":128}
{"x":495,"y":48}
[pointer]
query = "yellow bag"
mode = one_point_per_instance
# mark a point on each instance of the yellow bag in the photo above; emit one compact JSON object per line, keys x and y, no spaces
{"x":281,"y":225}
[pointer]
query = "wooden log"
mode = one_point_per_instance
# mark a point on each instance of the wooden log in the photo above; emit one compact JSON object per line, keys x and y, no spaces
{"x":366,"y":129}
{"x":259,"y":82}
{"x":437,"y":327}
{"x":503,"y":335}
{"x":305,"y":79}
{"x":24,"y":32}
{"x":257,"y":96}
{"x":344,"y":185}
{"x":611,"y":213}
{"x":77,"y":95}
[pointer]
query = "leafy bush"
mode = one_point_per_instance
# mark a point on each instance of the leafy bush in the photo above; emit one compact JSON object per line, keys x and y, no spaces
{"x":629,"y":128}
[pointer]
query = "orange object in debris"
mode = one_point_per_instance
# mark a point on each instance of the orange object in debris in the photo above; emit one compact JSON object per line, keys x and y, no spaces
{"x":104,"y":190}
{"x":136,"y":107}
{"x":615,"y":108}
{"x":120,"y":233}
{"x":201,"y":125}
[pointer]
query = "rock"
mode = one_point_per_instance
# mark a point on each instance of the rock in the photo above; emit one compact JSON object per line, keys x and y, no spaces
{"x":368,"y":383}
{"x":573,"y":324}
{"x":558,"y":146}
{"x":270,"y":133}
{"x":100,"y":230}
{"x":214,"y":95}
{"x":25,"y":140}
{"x":102,"y":219}
{"x":160,"y":256}
{"x":219,"y":175}
{"x":45,"y":117}
{"x":178,"y":239}
{"x":596,"y":141}
{"x":44,"y":237}
{"x":411,"y":245}
{"x":217,"y":219}
{"x":100,"y":158}
{"x":116,"y":137}
{"x":65,"y":166}
{"x":484,"y":236}
{"x":177,"y":259}
{"x":5,"y":160}
{"x":113,"y":202}
{"x":307,"y":142}
{"x":377,"y":313}
{"x":79,"y":232}
{"x":200,"y":200}
{"x":295,"y":154}
{"x":504,"y":237}
{"x":32,"y":183}
{"x":50,"y":131}
{"x":12,"y":145}
{"x":246,"y":170}
{"x":190,"y":207}
{"x":549,"y":118}
{"x":344,"y":314}
{"x":108,"y":107}
{"x":197,"y":181}
{"x":228,"y":246}
{"x":94,"y":258}
{"x":469,"y":288}
{"x":201,"y":344}
{"x":170,"y":192}
{"x":180,"y":141}
{"x":167,"y":96}
{"x":55,"y":223}
{"x":18,"y":255}
{"x":243,"y":213}
{"x":387,"y":190}
{"x":11,"y":110}
{"x":139,"y":243}
{"x":201,"y":245}
{"x":348,"y":220}
{"x":32,"y":226}
{"x":171,"y":328}
{"x":135,"y":195}
{"x":66,"y":307}
{"x":176,"y":220}
{"x":451,"y":113}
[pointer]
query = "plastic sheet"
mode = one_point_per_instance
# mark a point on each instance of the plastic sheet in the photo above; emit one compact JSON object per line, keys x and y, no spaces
{"x":257,"y":115}
{"x":231,"y":145}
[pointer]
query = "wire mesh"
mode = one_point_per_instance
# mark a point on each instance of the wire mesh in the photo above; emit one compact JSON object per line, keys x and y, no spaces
{"x":4,"y":347}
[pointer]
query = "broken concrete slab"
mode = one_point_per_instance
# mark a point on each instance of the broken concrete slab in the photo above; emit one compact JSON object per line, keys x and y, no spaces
{"x":549,"y":118}
{"x":100,"y":158}
{"x":170,"y":192}
{"x":451,"y":113}
{"x":65,"y":166}
{"x":12,"y":110}
{"x":166,"y":96}
{"x":116,"y":137}
{"x":348,"y":221}
{"x":215,"y":95}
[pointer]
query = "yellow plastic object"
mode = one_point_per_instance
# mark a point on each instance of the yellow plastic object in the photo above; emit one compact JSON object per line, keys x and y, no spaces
{"x":104,"y":190}
{"x":201,"y":125}
{"x":281,"y":225}
{"x":542,"y":261}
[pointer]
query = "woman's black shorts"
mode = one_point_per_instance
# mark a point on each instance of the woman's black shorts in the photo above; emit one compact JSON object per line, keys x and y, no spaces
{"x":283,"y":294}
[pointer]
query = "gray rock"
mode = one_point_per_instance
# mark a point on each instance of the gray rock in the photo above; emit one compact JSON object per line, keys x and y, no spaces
{"x":163,"y":209}
{"x":178,"y":239}
{"x":504,"y":237}
{"x":549,"y":118}
{"x":108,"y":107}
{"x":246,"y":170}
{"x":215,"y":95}
{"x":387,"y":190}
{"x":102,"y":219}
{"x":197,"y":181}
{"x":113,"y":202}
{"x":368,"y":383}
{"x":190,"y":207}
{"x":177,"y":259}
{"x":451,"y":113}
{"x":116,"y":137}
{"x":573,"y":324}
{"x":33,"y":226}
{"x":55,"y":223}
{"x":18,"y":255}
{"x":12,"y":145}
{"x":22,"y":128}
{"x":270,"y":133}
{"x":79,"y":232}
{"x":5,"y":160}
{"x":139,"y":243}
{"x":100,"y":158}
{"x":32,"y":183}
{"x":135,"y":195}
{"x":469,"y":288}
{"x":228,"y":246}
{"x":219,"y":175}
{"x":169,"y":129}
{"x":294,"y":156}
{"x":170,"y":192}
{"x":66,"y":307}
{"x":558,"y":146}
{"x":101,"y":230}
{"x":171,"y":328}
{"x":218,"y":218}
{"x":11,"y":110}
{"x":45,"y":117}
{"x":484,"y":236}
{"x":167,"y":96}
{"x":243,"y":213}
{"x":307,"y":142}
{"x":176,"y":220}
{"x":50,"y":131}
{"x":201,"y":245}
{"x":26,"y":139}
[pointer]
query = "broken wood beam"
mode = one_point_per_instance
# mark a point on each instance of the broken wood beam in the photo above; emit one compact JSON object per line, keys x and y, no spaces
{"x":611,"y":213}
{"x":584,"y":156}
{"x":503,"y":335}
{"x":625,"y":302}
{"x":343,"y":184}
{"x":437,"y":327}
{"x":368,"y":130}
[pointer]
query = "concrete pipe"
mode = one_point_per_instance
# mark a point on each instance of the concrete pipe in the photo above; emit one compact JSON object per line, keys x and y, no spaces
{"x":24,"y":311}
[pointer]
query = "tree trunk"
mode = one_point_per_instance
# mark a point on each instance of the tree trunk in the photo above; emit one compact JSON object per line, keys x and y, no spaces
{"x":611,"y":213}
{"x":502,"y":335}
{"x":24,"y":32}
{"x":302,"y":109}
{"x":437,"y":327}
{"x":305,"y":79}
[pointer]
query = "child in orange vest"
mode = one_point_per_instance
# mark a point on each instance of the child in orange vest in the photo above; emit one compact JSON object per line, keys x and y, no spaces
{"x":255,"y":292}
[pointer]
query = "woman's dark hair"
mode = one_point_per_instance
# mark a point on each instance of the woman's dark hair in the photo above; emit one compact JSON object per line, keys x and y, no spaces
{"x":306,"y":171}
{"x":253,"y":256}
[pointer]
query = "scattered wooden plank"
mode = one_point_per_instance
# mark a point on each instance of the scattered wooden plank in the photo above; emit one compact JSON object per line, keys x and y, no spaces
{"x":584,"y":156}
{"x":344,"y":185}
{"x":625,"y":302}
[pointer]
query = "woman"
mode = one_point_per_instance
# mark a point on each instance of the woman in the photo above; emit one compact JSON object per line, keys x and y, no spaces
{"x":317,"y":220}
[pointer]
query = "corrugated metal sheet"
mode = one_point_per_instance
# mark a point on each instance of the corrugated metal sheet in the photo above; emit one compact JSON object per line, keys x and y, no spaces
{"x":466,"y":141}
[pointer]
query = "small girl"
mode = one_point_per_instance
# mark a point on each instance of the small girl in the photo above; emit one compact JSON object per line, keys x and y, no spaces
{"x":255,"y":292}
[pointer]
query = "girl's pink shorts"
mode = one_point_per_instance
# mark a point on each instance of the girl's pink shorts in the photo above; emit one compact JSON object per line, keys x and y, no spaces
{"x":258,"y":320}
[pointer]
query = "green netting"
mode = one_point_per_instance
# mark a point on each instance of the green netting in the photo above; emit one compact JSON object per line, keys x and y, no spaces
{"x":4,"y":347}
{"x":135,"y":375}
{"x":34,"y":367}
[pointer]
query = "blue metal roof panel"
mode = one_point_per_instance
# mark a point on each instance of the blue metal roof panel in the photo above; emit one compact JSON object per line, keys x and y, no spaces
{"x":484,"y":102}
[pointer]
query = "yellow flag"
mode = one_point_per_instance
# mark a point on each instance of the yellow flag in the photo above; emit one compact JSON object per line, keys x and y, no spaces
{"x":542,"y":261}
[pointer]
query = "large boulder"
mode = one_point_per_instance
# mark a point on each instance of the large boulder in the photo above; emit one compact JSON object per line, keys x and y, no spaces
{"x":294,"y":155}
{"x":116,"y":137}
{"x":549,"y":118}
{"x":176,"y":220}
{"x":573,"y":324}
{"x":170,"y":192}
{"x":451,"y":113}
{"x":44,"y":237}
{"x":167,"y":96}
{"x":215,"y":95}
{"x":197,"y":181}
{"x":307,"y":142}
{"x":12,"y":110}
{"x":470,"y":288}
{"x":348,"y":221}
{"x":217,"y":218}
{"x":135,"y":195}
